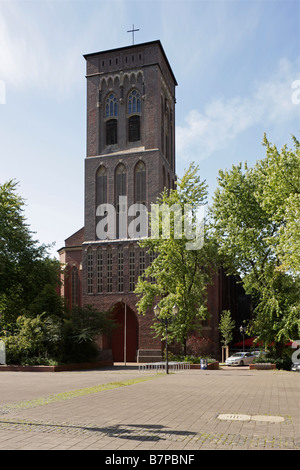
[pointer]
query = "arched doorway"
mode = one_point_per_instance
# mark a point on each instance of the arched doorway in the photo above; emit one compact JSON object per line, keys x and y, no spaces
{"x":127,"y":329}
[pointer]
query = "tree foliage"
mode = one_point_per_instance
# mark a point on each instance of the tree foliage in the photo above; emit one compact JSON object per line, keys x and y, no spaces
{"x":178,"y":275}
{"x":226,"y":327}
{"x":34,"y":323}
{"x":253,"y":223}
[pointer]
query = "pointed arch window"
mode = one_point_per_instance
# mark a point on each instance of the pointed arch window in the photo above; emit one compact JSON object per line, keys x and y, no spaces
{"x":101,"y":184}
{"x":140,"y":183}
{"x":120,"y":181}
{"x":121,"y":191}
{"x":111,"y":106}
{"x":134,"y":102}
{"x":111,"y":114}
{"x":101,"y":195}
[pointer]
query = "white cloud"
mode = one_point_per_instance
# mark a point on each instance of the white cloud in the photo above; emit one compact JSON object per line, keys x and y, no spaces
{"x":224,"y":120}
{"x":42,"y":43}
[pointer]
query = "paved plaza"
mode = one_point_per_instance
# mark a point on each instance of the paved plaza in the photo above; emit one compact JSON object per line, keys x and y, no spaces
{"x":120,"y":408}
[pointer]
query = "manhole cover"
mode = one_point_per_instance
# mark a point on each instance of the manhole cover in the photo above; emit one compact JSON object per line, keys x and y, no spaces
{"x":268,"y":419}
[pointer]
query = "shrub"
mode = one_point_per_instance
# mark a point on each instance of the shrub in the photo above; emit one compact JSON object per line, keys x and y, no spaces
{"x":198,"y":346}
{"x":34,"y":337}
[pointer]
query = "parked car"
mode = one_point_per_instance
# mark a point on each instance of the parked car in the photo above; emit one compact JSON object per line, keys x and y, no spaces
{"x":240,"y":359}
{"x":258,"y":353}
{"x":295,"y":367}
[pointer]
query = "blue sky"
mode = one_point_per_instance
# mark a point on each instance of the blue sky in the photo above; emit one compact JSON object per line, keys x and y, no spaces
{"x":235,"y":63}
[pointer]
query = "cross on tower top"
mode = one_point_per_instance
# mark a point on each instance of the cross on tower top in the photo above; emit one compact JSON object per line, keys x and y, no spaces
{"x":132,"y":31}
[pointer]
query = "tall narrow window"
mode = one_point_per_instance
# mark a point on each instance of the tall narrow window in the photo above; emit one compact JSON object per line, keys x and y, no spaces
{"x":120,"y":270}
{"x":111,"y":113}
{"x":131,"y":269}
{"x":142,"y":263}
{"x":134,"y":116}
{"x":89,"y":271}
{"x":121,"y":190}
{"x":111,"y":105}
{"x":152,"y":257}
{"x":99,"y":271}
{"x":74,"y":288}
{"x":101,"y":197}
{"x":140,"y":183}
{"x":167,"y":135}
{"x":101,"y":185}
{"x":162,"y":129}
{"x":109,"y":270}
{"x":134,"y":102}
{"x":134,"y":129}
{"x":111,"y":132}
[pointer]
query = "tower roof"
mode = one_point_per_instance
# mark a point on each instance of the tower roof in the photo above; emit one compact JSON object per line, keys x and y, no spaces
{"x":134,"y":47}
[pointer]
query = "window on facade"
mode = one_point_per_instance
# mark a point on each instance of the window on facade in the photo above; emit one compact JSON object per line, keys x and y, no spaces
{"x":99,"y":271}
{"x":134,"y":111}
{"x":109,"y":270}
{"x":142,"y":265}
{"x":162,"y":127}
{"x":74,"y":288}
{"x":101,"y":196}
{"x":111,"y":106}
{"x":111,"y":113}
{"x":101,"y":185}
{"x":120,"y":180}
{"x":140,"y":183}
{"x":120,"y":270}
{"x":152,"y":257}
{"x":120,"y":190}
{"x":131,"y":269}
{"x":134,"y":129}
{"x":111,"y":132}
{"x":134,"y":102}
{"x":167,"y":147}
{"x":89,"y":271}
{"x":164,"y":177}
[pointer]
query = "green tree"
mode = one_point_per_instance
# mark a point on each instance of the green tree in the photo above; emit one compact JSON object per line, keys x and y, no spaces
{"x":34,"y":323}
{"x":251,"y":221}
{"x":178,"y":275}
{"x":280,"y":198}
{"x":226,"y":326}
{"x":25,"y":267}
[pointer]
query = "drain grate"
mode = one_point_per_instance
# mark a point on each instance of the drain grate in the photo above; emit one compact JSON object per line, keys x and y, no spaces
{"x":234,"y":417}
{"x":261,"y":418}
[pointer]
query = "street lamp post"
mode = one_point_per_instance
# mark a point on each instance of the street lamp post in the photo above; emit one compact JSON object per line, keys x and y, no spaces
{"x":166,"y":321}
{"x":243,"y":330}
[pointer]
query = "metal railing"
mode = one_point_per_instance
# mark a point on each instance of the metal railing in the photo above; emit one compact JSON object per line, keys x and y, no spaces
{"x":161,"y":366}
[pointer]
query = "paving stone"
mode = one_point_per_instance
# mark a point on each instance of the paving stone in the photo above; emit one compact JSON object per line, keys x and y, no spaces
{"x":178,"y":411}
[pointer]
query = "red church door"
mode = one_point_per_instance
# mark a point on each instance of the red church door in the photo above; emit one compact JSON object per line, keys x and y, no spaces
{"x":127,"y":328}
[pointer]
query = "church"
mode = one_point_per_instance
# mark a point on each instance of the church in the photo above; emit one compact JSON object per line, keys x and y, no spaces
{"x":130,"y":157}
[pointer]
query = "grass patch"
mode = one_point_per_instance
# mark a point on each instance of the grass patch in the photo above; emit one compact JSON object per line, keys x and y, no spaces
{"x":72,"y":394}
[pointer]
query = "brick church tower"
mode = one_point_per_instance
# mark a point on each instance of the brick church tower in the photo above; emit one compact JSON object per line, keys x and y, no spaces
{"x":130,"y":155}
{"x":130,"y":160}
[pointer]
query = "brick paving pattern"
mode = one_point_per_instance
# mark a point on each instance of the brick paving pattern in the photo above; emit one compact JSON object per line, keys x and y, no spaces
{"x":122,"y":409}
